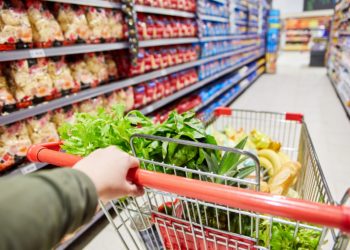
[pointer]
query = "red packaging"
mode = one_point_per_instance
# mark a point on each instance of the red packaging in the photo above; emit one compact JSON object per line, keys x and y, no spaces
{"x":140,"y":98}
{"x":151,"y":27}
{"x":168,"y":29}
{"x":157,"y":63}
{"x":159,"y":27}
{"x":139,"y":68}
{"x":165,"y":58}
{"x":174,"y":56}
{"x":180,"y":55}
{"x":175,"y":82}
{"x":160,"y":87}
{"x":151,"y":91}
{"x":142,"y":27}
{"x":148,"y":59}
{"x":167,"y":86}
{"x":175,"y":27}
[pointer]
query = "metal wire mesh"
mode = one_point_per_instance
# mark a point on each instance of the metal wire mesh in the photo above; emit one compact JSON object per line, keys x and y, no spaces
{"x":160,"y":220}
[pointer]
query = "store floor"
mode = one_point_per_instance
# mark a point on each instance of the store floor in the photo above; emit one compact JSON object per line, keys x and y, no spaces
{"x":295,"y":88}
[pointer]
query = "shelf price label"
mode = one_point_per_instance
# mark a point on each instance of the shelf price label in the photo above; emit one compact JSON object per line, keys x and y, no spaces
{"x":29,"y":169}
{"x":35,"y":53}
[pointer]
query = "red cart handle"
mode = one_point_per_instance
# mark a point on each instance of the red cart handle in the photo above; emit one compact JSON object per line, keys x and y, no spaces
{"x":295,"y":209}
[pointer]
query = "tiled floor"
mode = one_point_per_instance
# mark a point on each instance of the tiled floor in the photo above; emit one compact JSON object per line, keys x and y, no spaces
{"x":295,"y":88}
{"x":299,"y":88}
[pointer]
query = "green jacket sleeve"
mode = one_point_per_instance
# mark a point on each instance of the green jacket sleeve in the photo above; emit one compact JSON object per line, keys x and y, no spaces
{"x":38,"y":209}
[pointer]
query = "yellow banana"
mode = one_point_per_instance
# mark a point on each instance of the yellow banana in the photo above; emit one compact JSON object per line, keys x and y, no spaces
{"x":265,"y":163}
{"x":284,"y":157}
{"x":272,"y":156}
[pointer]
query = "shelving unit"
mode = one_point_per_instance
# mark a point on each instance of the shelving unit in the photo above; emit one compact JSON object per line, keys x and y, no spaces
{"x":154,"y":106}
{"x":52,"y":105}
{"x":338,"y":64}
{"x":300,"y":32}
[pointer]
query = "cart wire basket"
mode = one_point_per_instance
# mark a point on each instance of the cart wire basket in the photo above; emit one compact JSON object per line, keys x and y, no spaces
{"x":186,"y":208}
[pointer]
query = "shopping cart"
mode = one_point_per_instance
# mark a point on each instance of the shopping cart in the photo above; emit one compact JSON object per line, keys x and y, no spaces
{"x":192,"y":209}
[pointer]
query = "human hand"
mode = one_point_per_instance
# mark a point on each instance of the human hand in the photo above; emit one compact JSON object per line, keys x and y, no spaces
{"x":107,"y":168}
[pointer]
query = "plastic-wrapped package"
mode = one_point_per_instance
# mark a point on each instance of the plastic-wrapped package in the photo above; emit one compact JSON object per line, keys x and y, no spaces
{"x":140,"y":97}
{"x":97,"y":65}
{"x":99,"y":24}
{"x":82,"y":74}
{"x":92,"y":105}
{"x":151,"y":91}
{"x":7,"y":101}
{"x":61,"y":76}
{"x":73,"y":23}
{"x":31,"y":81}
{"x":14,"y":144}
{"x":42,"y":129}
{"x":115,"y":23}
{"x":129,"y":92}
{"x":46,"y":30}
{"x":112,"y":67}
{"x":65,"y":115}
{"x":15,"y":28}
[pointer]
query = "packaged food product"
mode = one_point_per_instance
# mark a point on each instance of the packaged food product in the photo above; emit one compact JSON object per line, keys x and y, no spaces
{"x":115,"y":22}
{"x":99,"y":24}
{"x":97,"y":65}
{"x":73,"y":23}
{"x":92,"y":105}
{"x":15,"y":29}
{"x":160,"y":87}
{"x":129,"y":98}
{"x":82,"y":74}
{"x":7,"y":101}
{"x":140,"y":98}
{"x":46,"y":30}
{"x":65,"y":115}
{"x":151,"y":91}
{"x":61,"y":76}
{"x":112,"y":67}
{"x":31,"y":81}
{"x":42,"y":129}
{"x":14,"y":144}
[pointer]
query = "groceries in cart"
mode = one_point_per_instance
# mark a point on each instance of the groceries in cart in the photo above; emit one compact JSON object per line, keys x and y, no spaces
{"x":173,"y":147}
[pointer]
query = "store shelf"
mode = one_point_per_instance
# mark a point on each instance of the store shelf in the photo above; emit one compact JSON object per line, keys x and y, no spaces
{"x":170,"y":41}
{"x":241,"y":7}
{"x":341,"y":99}
{"x":242,"y":23}
{"x":231,"y":37}
{"x":344,"y":33}
{"x":234,"y":97}
{"x":96,"y":3}
{"x":220,"y":1}
{"x":57,"y":51}
{"x":90,"y":93}
{"x":84,"y":48}
{"x":213,"y":18}
{"x":223,"y":90}
{"x":162,"y":11}
{"x":98,"y":216}
{"x":161,"y":103}
{"x":238,"y":94}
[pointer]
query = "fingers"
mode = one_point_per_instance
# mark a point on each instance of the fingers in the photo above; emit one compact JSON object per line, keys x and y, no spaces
{"x":134,"y":190}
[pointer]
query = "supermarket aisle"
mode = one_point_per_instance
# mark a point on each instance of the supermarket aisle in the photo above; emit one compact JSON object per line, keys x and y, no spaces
{"x":298,"y":88}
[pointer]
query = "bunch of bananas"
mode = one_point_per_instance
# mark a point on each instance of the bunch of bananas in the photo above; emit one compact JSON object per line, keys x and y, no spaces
{"x":282,"y":172}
